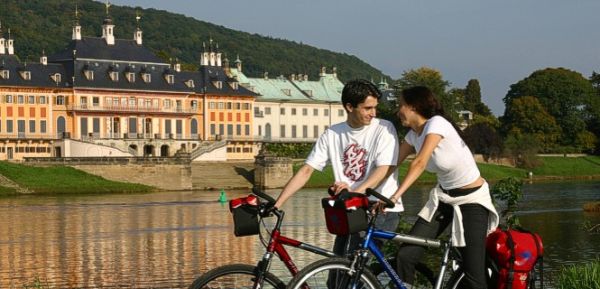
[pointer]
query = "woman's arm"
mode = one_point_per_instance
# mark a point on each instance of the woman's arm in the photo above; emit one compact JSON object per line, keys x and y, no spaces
{"x":417,"y":166}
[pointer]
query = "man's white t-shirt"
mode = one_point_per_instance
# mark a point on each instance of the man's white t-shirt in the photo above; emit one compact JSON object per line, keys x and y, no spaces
{"x":355,"y":153}
{"x":451,"y":161}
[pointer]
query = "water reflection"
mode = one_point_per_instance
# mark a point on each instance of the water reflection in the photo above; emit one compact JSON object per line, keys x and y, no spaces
{"x":165,"y":240}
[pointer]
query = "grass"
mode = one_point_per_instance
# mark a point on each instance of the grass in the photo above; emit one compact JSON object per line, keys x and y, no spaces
{"x":5,"y":191}
{"x":65,"y":180}
{"x":585,"y":276}
{"x":553,"y":167}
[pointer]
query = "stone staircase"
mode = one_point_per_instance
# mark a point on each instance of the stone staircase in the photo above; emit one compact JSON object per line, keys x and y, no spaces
{"x":222,"y":175}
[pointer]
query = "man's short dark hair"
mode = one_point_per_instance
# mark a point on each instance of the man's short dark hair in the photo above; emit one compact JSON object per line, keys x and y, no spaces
{"x":357,"y":90}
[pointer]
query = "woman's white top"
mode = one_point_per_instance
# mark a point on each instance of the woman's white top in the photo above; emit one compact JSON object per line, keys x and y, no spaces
{"x":451,"y":161}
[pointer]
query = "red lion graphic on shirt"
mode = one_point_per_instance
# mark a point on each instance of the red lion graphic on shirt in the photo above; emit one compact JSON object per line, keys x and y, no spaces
{"x":355,"y":162}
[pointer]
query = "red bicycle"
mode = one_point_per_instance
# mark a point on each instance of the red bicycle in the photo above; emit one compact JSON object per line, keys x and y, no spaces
{"x":258,"y":276}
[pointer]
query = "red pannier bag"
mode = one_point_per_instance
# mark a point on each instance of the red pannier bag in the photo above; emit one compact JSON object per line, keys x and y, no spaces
{"x":245,"y":216}
{"x":346,"y":215}
{"x":515,"y":253}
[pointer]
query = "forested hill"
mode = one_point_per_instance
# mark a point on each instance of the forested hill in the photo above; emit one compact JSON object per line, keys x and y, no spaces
{"x":38,"y":25}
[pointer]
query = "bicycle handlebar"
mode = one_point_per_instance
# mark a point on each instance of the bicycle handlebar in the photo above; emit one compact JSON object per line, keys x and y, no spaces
{"x":374,"y":193}
{"x":261,"y":194}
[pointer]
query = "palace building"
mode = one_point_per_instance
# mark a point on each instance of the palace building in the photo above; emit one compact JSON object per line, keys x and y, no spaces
{"x":103,"y":96}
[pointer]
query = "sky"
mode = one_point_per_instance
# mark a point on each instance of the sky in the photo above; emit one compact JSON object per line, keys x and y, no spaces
{"x":496,"y":42}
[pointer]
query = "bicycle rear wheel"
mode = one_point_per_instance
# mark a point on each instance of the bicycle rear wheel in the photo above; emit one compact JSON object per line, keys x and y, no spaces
{"x":331,"y":273}
{"x":234,"y":276}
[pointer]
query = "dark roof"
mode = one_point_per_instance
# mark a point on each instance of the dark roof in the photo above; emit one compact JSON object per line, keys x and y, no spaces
{"x":97,"y":49}
{"x":212,"y":74}
{"x":40,"y":74}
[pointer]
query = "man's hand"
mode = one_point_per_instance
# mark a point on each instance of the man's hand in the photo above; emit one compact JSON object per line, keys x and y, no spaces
{"x":337,"y":187}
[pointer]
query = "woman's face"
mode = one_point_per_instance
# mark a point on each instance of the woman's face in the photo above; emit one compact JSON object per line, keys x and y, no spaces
{"x":405,"y":112}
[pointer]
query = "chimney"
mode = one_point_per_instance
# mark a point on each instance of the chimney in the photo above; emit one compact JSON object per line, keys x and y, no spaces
{"x":10,"y":44}
{"x":266,"y":75}
{"x":137,"y":35}
{"x":44,"y":59}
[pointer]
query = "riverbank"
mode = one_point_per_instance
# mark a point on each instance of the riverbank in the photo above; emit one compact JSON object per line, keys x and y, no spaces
{"x":553,"y":168}
{"x":17,"y":178}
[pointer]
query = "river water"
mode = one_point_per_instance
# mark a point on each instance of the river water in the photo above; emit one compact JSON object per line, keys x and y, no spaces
{"x":165,"y":240}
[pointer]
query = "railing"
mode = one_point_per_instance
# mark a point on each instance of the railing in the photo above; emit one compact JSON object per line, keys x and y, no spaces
{"x":84,"y":107}
{"x":206,"y":147}
{"x":28,"y":136}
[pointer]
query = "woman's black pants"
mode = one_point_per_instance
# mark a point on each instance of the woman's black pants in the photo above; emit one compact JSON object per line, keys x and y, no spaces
{"x":475,"y":224}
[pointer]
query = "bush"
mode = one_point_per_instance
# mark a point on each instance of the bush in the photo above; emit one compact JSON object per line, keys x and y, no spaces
{"x":585,"y":276}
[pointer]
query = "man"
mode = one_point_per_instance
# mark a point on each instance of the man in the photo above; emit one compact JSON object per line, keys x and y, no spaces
{"x":361,"y":150}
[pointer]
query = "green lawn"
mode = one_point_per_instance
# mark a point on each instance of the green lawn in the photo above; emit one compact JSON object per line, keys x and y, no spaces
{"x":552,"y":167}
{"x":65,"y":180}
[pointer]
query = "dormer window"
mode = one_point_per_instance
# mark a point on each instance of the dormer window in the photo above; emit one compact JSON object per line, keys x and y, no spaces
{"x":190,"y":83}
{"x":114,"y":75}
{"x":4,"y":73}
{"x":170,"y":78}
{"x":130,"y":76}
{"x":56,"y":77}
{"x":26,"y":75}
{"x":89,"y":74}
{"x":146,"y":77}
{"x":286,"y":91}
{"x":234,"y":85}
{"x":308,"y":92}
{"x":218,"y":84}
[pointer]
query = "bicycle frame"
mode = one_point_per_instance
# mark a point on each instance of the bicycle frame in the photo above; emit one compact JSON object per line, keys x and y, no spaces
{"x":371,"y":246}
{"x":276,"y":245}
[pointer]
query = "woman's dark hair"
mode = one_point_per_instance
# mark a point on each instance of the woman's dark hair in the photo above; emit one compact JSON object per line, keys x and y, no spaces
{"x":356,"y":91}
{"x":426,"y":104}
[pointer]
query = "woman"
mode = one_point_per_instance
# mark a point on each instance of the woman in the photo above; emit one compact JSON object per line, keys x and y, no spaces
{"x":460,"y":198}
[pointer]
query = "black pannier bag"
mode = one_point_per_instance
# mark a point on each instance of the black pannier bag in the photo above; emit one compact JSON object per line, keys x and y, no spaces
{"x":245,"y":216}
{"x":347,"y":214}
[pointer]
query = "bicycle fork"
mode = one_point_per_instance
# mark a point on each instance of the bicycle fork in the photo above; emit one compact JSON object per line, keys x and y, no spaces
{"x":445,"y":258}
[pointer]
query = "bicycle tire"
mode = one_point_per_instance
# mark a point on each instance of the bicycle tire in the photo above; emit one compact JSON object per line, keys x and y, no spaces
{"x":234,"y":276}
{"x":316,"y":275}
{"x":455,"y":279}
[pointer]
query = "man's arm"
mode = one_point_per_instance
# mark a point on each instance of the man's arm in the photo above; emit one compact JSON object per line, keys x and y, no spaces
{"x":375,"y":178}
{"x":294,"y":184}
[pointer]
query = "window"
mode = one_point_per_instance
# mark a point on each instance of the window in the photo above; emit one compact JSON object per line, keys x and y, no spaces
{"x":167,"y":103}
{"x":20,"y":99}
{"x":282,"y":111}
{"x":115,"y":102}
{"x":194,"y":105}
{"x":130,"y":76}
{"x":133,"y":125}
{"x":267,"y":110}
{"x":286,"y":91}
{"x":230,"y":129}
{"x":42,"y":126}
{"x":326,"y":112}
{"x":218,"y":84}
{"x":132,"y":102}
{"x":4,"y":74}
{"x":26,"y":75}
{"x":146,"y":77}
{"x":31,"y":99}
{"x":56,"y":77}
{"x":114,"y":75}
{"x":83,"y":126}
{"x":212,"y":129}
{"x":238,"y":129}
{"x":293,"y":131}
{"x":42,"y":99}
{"x":247,"y":129}
{"x":316,"y":131}
{"x":316,"y":112}
{"x":9,"y":125}
{"x":95,"y":101}
{"x":305,"y":131}
{"x":89,"y":74}
{"x":221,"y":129}
{"x":211,"y":105}
{"x":83,"y":102}
{"x":340,"y":112}
{"x":8,"y":98}
{"x":32,"y":126}
{"x":167,"y":126}
{"x":234,"y":85}
{"x":247,"y":106}
{"x":178,"y":105}
{"x":60,"y":100}
{"x":238,"y":106}
{"x":190,"y":83}
{"x":220,"y":105}
{"x":148,"y":103}
{"x":229,"y":105}
{"x":305,"y":111}
{"x":282,"y":131}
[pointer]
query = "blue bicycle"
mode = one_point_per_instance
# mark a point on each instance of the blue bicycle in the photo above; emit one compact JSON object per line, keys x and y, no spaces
{"x":333,"y":273}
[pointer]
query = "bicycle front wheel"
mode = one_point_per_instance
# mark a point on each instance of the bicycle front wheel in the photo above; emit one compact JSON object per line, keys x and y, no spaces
{"x":331,"y":273}
{"x":235,"y":276}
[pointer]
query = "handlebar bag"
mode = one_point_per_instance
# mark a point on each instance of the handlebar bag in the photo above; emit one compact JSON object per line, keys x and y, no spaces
{"x":245,"y":216}
{"x":346,"y":215}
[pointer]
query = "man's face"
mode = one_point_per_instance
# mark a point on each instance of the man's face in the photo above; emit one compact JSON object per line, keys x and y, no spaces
{"x":362,"y":114}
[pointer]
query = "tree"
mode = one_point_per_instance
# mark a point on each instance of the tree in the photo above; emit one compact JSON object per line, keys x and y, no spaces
{"x":432,"y":79}
{"x":483,"y":139}
{"x":526,"y":115}
{"x":472,"y":101}
{"x":564,"y":94}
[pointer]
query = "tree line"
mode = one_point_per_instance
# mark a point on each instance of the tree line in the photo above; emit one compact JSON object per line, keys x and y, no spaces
{"x":553,"y":110}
